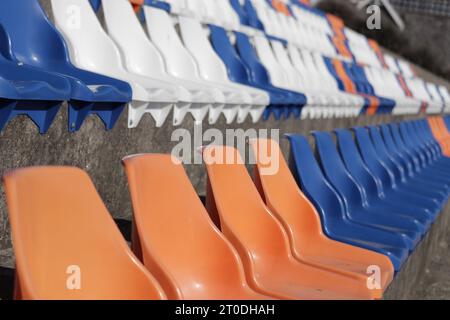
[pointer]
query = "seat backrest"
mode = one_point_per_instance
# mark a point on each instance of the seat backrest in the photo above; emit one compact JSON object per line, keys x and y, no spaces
{"x":267,"y":58}
{"x":400,"y":143}
{"x":355,"y":164}
{"x":178,"y":239}
{"x":308,"y":79}
{"x":237,"y":6}
{"x":240,"y":208}
{"x":236,"y":70}
{"x":256,"y":71}
{"x":253,"y":18}
{"x":229,"y":15}
{"x":124,"y":28}
{"x":283,"y":196}
{"x":64,"y":237}
{"x":90,"y":46}
{"x":161,"y":30}
{"x":445,"y":94}
{"x":312,"y":181}
{"x":392,"y":64}
{"x":292,"y":75}
{"x":196,"y":40}
{"x":434,"y":92}
{"x":389,"y":160}
{"x":321,"y":66}
{"x":335,"y":170}
{"x":34,"y":40}
{"x":368,"y":153}
{"x":393,"y":149}
{"x":405,"y":68}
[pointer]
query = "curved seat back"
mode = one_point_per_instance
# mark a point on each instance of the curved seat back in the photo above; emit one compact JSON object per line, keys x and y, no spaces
{"x":282,"y":195}
{"x":312,"y":181}
{"x":240,"y":207}
{"x":124,"y":28}
{"x":178,"y":241}
{"x":335,"y":170}
{"x":66,"y":244}
{"x":161,"y":31}
{"x":355,"y":164}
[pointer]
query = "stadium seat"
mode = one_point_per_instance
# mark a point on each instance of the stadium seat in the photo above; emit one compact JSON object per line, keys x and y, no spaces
{"x":35,"y":42}
{"x":387,"y":178}
{"x":356,"y":205}
{"x":423,"y":155}
{"x":390,"y":177}
{"x":199,"y":262}
{"x":302,"y":223}
{"x":92,"y":49}
{"x":181,"y":63}
{"x":446,"y":97}
{"x":143,"y":58}
{"x":243,"y":67}
{"x":332,"y":209}
{"x":30,"y":91}
{"x":196,"y":40}
{"x":260,"y":239}
{"x":66,"y":244}
{"x":427,"y":187}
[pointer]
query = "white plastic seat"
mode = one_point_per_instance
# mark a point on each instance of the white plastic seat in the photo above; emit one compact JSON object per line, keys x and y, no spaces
{"x":405,"y":68}
{"x":323,"y":104}
{"x":385,"y":84}
{"x":141,"y":57}
{"x":196,"y":39}
{"x":321,"y":79}
{"x":199,"y":10}
{"x":435,"y":96}
{"x":391,"y":63}
{"x":218,"y":12}
{"x":278,"y":75}
{"x":232,"y":21}
{"x":353,"y":103}
{"x":181,"y":64}
{"x":419,"y":91}
{"x":91,"y":49}
{"x":443,"y":90}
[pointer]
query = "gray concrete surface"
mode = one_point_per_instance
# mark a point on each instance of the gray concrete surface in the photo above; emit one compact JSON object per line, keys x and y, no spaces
{"x":99,"y":153}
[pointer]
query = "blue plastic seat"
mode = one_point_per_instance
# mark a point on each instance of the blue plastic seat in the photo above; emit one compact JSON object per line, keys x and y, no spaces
{"x":419,"y":135}
{"x":398,"y":170}
{"x":331,"y":208}
{"x":28,"y":91}
{"x":410,"y":134}
{"x":402,"y":161}
{"x":244,"y":67}
{"x":419,"y":167}
{"x":377,"y":198}
{"x":424,"y":131}
{"x":258,"y":74}
{"x":354,"y":198}
{"x":36,"y":42}
{"x":237,"y":72}
{"x":387,"y":178}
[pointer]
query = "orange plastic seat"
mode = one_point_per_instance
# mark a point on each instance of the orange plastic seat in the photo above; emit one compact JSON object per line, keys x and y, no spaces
{"x":176,"y":238}
{"x":261,"y":240}
{"x":302,"y":223}
{"x":67,"y":246}
{"x":440,"y":133}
